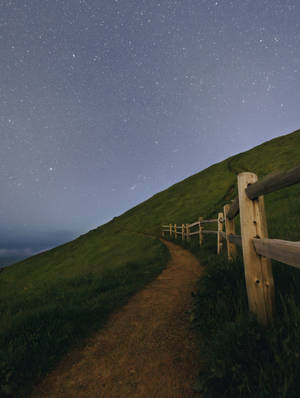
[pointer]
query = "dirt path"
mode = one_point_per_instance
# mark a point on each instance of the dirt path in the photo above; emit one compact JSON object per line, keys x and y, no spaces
{"x":146,"y":350}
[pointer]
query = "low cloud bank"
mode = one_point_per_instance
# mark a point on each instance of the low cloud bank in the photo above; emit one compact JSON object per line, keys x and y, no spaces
{"x":26,"y":252}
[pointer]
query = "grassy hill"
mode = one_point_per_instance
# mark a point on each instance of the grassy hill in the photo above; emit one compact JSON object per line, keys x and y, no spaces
{"x":53,"y":300}
{"x":5,"y":261}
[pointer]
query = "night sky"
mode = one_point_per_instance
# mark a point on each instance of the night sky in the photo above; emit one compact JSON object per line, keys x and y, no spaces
{"x":104,"y":103}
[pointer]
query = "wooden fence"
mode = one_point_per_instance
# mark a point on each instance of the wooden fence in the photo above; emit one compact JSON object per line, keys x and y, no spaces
{"x":257,"y":249}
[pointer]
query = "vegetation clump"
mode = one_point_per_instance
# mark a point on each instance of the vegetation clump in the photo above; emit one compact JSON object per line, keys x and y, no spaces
{"x":244,"y":359}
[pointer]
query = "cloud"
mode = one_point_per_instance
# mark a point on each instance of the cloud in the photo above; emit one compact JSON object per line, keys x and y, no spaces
{"x":17,"y":252}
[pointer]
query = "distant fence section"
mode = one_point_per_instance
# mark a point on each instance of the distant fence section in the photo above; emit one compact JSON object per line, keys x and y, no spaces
{"x":257,"y":248}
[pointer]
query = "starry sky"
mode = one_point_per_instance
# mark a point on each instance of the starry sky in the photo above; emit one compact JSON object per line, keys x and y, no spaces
{"x":104,"y":103}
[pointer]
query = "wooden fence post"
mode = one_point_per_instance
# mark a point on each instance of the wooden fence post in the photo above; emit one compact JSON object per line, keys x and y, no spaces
{"x":187,"y":232}
{"x":220,"y":229}
{"x":258,"y":269}
{"x":170,"y":226}
{"x":200,"y":231}
{"x":175,"y":230}
{"x":182,"y":231}
{"x":162,"y":232}
{"x":230,"y":229}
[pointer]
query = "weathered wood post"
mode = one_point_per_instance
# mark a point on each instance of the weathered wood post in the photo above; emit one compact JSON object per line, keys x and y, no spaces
{"x":187,"y":232}
{"x":182,"y":231}
{"x":162,"y":231}
{"x":230,"y":229}
{"x":200,"y":231}
{"x":175,"y":230}
{"x":219,"y":236}
{"x":170,"y":226}
{"x":258,"y":269}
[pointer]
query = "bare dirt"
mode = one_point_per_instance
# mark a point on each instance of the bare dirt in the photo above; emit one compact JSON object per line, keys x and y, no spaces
{"x":147,"y":348}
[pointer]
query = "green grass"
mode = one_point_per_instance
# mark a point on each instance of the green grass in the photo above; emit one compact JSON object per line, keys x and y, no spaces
{"x":242,"y":358}
{"x":52,"y":301}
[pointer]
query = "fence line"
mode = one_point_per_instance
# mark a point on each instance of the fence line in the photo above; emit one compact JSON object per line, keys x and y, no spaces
{"x":257,"y":248}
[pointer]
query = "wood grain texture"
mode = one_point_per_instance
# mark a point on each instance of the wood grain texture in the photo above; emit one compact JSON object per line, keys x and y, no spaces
{"x":236,"y":239}
{"x":280,"y":250}
{"x":273,"y":183}
{"x":187,"y":232}
{"x":258,"y":270}
{"x":234,"y":209}
{"x":223,"y":234}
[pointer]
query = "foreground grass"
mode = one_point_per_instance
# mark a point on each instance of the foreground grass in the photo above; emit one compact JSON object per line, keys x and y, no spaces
{"x":50,"y":302}
{"x":242,"y":358}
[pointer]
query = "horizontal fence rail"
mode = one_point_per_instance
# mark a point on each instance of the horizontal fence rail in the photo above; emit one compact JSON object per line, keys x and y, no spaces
{"x":193,"y":224}
{"x":269,"y":184}
{"x":235,"y":239}
{"x":280,"y":250}
{"x":257,"y":248}
{"x":194,"y":233}
{"x":274,"y":183}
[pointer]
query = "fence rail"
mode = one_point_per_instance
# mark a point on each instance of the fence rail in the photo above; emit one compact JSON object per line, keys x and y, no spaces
{"x":257,"y":248}
{"x":235,"y":239}
{"x":194,"y":224}
{"x":209,"y":232}
{"x":269,"y":184}
{"x":281,"y":250}
{"x":194,"y":233}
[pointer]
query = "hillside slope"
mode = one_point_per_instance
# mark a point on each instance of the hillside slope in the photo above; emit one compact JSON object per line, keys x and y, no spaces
{"x":54,"y":299}
{"x":205,"y":193}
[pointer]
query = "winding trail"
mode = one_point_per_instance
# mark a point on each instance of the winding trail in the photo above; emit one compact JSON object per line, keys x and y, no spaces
{"x":146,"y":350}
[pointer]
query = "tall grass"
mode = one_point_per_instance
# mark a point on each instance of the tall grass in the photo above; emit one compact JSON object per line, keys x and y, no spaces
{"x":242,"y":358}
